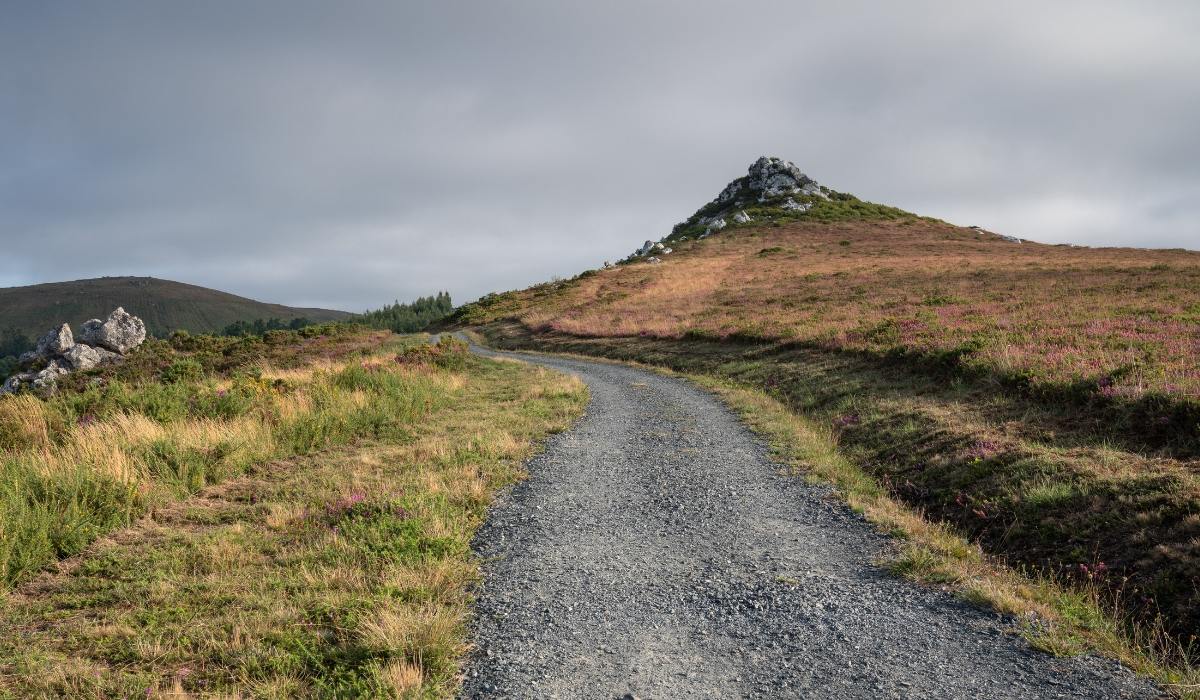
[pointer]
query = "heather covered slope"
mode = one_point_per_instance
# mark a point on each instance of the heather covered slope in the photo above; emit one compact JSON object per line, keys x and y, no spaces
{"x":1117,"y":323}
{"x":164,"y":305}
{"x":1042,"y":399}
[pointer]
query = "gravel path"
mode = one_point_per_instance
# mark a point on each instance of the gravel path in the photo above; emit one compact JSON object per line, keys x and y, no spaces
{"x":656,"y":551}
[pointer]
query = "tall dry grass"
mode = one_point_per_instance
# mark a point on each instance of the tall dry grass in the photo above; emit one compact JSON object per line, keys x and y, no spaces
{"x":64,"y":482}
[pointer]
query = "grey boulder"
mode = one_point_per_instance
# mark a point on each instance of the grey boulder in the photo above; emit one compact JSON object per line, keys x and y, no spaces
{"x":101,"y":342}
{"x":771,"y":177}
{"x":793,"y":205}
{"x":120,"y":332}
{"x":812,"y":188}
{"x":647,"y":248}
{"x":107,"y":356}
{"x":13,"y":383}
{"x":47,"y":379}
{"x":89,"y":331}
{"x":82,"y":357}
{"x":55,"y":342}
{"x":731,"y":192}
{"x":713,"y":226}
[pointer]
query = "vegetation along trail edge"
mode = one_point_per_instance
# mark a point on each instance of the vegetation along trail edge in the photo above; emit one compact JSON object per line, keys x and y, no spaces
{"x":656,"y":550}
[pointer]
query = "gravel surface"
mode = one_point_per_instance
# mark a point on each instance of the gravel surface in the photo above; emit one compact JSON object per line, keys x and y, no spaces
{"x":655,"y":551}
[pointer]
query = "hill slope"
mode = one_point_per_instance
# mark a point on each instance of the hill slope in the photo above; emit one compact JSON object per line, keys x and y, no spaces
{"x":1044,"y":400}
{"x":830,"y":270}
{"x":164,"y":305}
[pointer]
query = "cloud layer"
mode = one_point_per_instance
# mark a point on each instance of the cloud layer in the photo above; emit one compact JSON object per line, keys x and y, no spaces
{"x":347,"y":155}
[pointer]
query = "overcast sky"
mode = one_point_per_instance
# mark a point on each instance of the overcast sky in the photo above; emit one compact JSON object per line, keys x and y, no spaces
{"x":347,"y":154}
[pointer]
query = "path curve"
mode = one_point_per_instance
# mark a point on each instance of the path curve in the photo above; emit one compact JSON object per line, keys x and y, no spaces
{"x":656,"y":551}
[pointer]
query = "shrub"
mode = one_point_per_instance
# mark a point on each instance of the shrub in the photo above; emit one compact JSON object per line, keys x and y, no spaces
{"x":448,"y":353}
{"x":183,"y":370}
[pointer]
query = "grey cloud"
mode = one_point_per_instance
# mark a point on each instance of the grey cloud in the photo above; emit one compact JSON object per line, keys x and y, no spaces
{"x":349,"y":155}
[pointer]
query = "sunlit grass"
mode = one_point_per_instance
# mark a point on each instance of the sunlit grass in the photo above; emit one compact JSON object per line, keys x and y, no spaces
{"x":343,"y":573}
{"x":80,"y":464}
{"x":1110,"y":323}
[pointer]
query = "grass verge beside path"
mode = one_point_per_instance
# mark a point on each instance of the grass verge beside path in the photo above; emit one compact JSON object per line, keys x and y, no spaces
{"x":344,"y":573}
{"x":1058,"y":614}
{"x":1056,"y":618}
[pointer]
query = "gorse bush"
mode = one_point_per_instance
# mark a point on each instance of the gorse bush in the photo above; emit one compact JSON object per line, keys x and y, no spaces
{"x":448,"y":353}
{"x":186,"y":369}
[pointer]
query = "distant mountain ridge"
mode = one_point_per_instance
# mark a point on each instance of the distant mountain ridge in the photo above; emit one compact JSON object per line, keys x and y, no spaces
{"x":164,"y":305}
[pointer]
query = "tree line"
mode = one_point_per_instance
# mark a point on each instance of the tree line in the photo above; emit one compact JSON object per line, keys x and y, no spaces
{"x":260,"y":326}
{"x":411,"y":317}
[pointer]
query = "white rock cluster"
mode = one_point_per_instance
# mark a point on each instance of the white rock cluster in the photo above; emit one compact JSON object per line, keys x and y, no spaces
{"x":793,"y":205}
{"x":651,"y":248}
{"x":713,"y":226}
{"x":99,"y":342}
{"x":1001,"y":236}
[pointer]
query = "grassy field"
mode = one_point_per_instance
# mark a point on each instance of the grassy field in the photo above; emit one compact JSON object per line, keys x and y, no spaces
{"x":296,"y":525}
{"x":176,"y":416}
{"x":1042,"y":401}
{"x":164,"y":305}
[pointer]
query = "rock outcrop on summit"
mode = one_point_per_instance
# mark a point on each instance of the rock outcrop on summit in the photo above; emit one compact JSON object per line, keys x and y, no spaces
{"x":772,"y":183}
{"x":773,"y":192}
{"x":59,"y":352}
{"x":770,"y":177}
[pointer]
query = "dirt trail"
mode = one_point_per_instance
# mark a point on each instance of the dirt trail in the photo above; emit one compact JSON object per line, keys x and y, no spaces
{"x":656,"y":551}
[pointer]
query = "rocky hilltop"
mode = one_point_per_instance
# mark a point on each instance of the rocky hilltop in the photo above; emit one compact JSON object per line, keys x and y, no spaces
{"x":769,"y":177}
{"x":60,"y":352}
{"x":771,"y":183}
{"x":771,"y":187}
{"x":774,"y":192}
